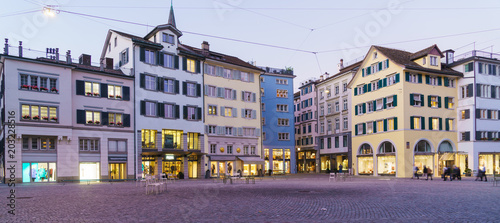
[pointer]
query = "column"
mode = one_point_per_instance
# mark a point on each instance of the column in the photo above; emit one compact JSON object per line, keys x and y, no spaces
{"x":159,"y":166}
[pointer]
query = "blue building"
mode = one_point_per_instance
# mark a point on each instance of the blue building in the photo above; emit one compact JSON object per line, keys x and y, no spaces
{"x":278,"y":123}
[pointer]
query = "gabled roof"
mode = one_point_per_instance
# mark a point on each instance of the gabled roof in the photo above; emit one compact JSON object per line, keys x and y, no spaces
{"x":138,"y":39}
{"x":352,"y":67}
{"x":403,"y":58}
{"x":221,"y":57}
{"x":425,"y":52}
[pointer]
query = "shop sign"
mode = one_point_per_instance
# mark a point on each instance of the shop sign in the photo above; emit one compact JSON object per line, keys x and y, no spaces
{"x":122,"y":158}
{"x":169,"y":157}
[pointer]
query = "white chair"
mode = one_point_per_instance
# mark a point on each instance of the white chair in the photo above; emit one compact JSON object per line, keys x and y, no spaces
{"x":332,"y":176}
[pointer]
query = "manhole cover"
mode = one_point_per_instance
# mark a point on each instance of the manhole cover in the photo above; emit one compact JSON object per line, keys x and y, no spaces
{"x":24,"y":197}
{"x":304,"y":191}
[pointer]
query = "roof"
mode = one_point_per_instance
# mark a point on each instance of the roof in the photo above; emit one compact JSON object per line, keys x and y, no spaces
{"x":403,"y":58}
{"x":222,"y":57}
{"x":350,"y":67}
{"x":425,"y":52}
{"x":138,"y":39}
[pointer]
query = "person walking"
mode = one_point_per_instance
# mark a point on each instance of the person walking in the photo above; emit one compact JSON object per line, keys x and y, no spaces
{"x":429,"y":173}
{"x":415,"y":172}
{"x":340,"y":168}
{"x":484,"y":174}
{"x":445,"y":169}
{"x":424,"y":171}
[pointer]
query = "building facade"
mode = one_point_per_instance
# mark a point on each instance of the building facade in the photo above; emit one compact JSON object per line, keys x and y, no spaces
{"x":478,"y":108}
{"x":169,"y":102}
{"x":306,"y":127}
{"x":404,"y":113}
{"x":72,"y":121}
{"x":278,"y":136}
{"x":334,"y":138}
{"x":232,"y":114}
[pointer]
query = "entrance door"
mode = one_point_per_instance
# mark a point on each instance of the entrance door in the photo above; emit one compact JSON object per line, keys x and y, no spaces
{"x":193,"y":169}
{"x":222,"y":168}
{"x":117,"y":171}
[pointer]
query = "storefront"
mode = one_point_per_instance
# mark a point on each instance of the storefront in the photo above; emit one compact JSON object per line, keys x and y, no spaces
{"x":221,"y":165}
{"x":89,"y":171}
{"x":491,"y":161}
{"x":172,"y":164}
{"x":386,"y":159}
{"x":149,"y":166}
{"x":266,"y":158}
{"x":287,"y":161}
{"x":193,"y":167}
{"x":39,"y":172}
{"x":449,"y":157}
{"x":278,"y":160}
{"x":251,"y":164}
{"x":365,"y":160}
{"x":423,"y":156}
{"x":325,"y":163}
{"x":117,"y":167}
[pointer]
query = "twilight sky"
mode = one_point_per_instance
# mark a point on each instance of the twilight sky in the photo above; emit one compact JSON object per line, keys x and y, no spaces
{"x":323,"y":30}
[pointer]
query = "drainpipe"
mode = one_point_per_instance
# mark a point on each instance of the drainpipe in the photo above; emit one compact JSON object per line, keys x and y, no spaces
{"x":135,"y":115}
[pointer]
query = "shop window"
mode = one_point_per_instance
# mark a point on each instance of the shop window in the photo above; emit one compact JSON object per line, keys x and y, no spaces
{"x":386,"y":147}
{"x":89,"y":171}
{"x":266,"y":154}
{"x":423,"y":147}
{"x":277,"y":154}
{"x":39,"y":172}
{"x":365,"y":149}
{"x":148,"y":138}
{"x":193,"y":141}
{"x":172,"y":139}
{"x":89,"y":145}
{"x":117,"y":146}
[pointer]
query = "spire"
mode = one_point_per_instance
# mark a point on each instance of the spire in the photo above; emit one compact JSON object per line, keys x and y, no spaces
{"x":171,"y":17}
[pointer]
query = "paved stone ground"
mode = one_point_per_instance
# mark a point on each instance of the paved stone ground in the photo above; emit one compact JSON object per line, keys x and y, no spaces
{"x":304,"y":198}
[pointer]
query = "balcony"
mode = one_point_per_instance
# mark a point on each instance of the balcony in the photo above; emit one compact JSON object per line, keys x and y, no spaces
{"x":477,"y":53}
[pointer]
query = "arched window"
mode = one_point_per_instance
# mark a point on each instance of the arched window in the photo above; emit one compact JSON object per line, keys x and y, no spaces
{"x":445,"y":147}
{"x":365,"y":149}
{"x":386,"y":147}
{"x":423,"y":147}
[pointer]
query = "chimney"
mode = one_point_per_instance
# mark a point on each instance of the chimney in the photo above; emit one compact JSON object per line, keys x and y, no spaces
{"x":341,"y":65}
{"x":326,"y":75}
{"x":57,"y":55}
{"x":205,"y":46}
{"x":101,"y":64}
{"x":68,"y":57}
{"x":449,"y":56}
{"x":20,"y":48}
{"x":84,"y":59}
{"x":108,"y":63}
{"x":6,"y":49}
{"x":321,"y":77}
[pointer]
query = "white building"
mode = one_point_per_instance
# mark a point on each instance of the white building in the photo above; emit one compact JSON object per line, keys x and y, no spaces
{"x":478,"y":107}
{"x":168,"y":98}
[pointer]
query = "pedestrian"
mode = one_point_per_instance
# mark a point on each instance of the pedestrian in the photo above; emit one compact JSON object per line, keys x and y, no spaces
{"x":459,"y":176}
{"x":340,"y":168}
{"x":445,"y":171}
{"x":415,"y":172}
{"x":429,"y":173}
{"x":424,"y":171}
{"x":479,"y":174}
{"x":484,"y":174}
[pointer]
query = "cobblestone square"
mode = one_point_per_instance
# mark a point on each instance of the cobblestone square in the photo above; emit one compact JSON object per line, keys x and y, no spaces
{"x":300,"y":198}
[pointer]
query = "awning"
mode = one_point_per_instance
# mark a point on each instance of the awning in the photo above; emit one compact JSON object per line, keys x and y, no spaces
{"x":222,"y":158}
{"x":251,"y":160}
{"x":447,"y":156}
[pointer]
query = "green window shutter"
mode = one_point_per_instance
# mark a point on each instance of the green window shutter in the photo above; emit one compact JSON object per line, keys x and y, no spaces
{"x":368,"y":70}
{"x":407,"y":74}
{"x":446,"y":82}
{"x":385,"y":82}
{"x":356,"y":110}
{"x":439,"y":102}
{"x":397,"y":78}
{"x":375,"y":105}
{"x":380,"y":83}
{"x":440,"y":81}
{"x":364,"y":108}
{"x":395,"y":123}
{"x":429,"y":101}
{"x":387,"y":63}
{"x":447,"y":126}
{"x":395,"y":100}
{"x":440,"y":124}
{"x":369,"y":87}
{"x":356,"y":130}
{"x":379,"y":66}
{"x":419,"y":78}
{"x":422,"y":120}
{"x":385,"y":102}
{"x":364,"y":128}
{"x":385,"y":125}
{"x":412,"y":102}
{"x":422,"y":99}
{"x":427,"y":79}
{"x":430,"y":123}
{"x":445,"y":102}
{"x":412,"y":123}
{"x":365,"y":88}
{"x":355,"y":91}
{"x":363,"y":72}
{"x":374,"y":127}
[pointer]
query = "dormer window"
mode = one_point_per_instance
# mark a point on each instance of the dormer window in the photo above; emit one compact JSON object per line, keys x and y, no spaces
{"x":375,"y":55}
{"x":424,"y":60}
{"x":433,"y":61}
{"x":167,"y":38}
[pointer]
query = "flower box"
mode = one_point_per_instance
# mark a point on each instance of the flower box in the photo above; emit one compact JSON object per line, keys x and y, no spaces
{"x":96,"y":94}
{"x":34,"y":87}
{"x":54,"y":90}
{"x":111,"y":123}
{"x":36,"y":117}
{"x":118,"y":97}
{"x":26,"y":117}
{"x":111,"y":96}
{"x":89,"y":93}
{"x":90,"y":122}
{"x":24,"y":86}
{"x":97,"y":122}
{"x":44,"y":89}
{"x":45,"y":118}
{"x":54,"y":119}
{"x":119,"y":123}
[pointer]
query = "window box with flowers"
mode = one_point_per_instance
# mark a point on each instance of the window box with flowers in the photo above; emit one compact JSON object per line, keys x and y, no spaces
{"x":496,"y":139}
{"x":34,"y":87}
{"x":90,"y":122}
{"x":89,"y":93}
{"x":53,"y":119}
{"x":25,"y":87}
{"x":45,"y":118}
{"x":111,"y":96}
{"x":36,"y":117}
{"x":118,"y":97}
{"x":44,"y":89}
{"x":26,"y":117}
{"x":97,"y":122}
{"x":96,"y":94}
{"x":484,"y":139}
{"x":119,"y":124}
{"x":111,"y":123}
{"x":54,"y":90}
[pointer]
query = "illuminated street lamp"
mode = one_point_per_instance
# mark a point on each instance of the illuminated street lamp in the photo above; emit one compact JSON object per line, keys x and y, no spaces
{"x":50,"y":11}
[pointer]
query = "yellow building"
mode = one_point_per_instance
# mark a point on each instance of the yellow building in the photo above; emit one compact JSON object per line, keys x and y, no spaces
{"x":232,"y":114}
{"x":404,"y":113}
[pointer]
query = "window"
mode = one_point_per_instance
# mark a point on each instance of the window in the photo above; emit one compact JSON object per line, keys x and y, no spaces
{"x":150,"y":83}
{"x":229,"y":94}
{"x":434,"y":123}
{"x":380,"y":104}
{"x":380,"y":126}
{"x":391,"y":124}
{"x":434,"y":101}
{"x":483,"y":114}
{"x":282,"y":81}
{"x":329,"y":143}
{"x":249,"y":132}
{"x":337,"y":106}
{"x":360,"y":109}
{"x":283,"y":122}
{"x":150,"y":108}
{"x":169,"y":110}
{"x":494,"y":114}
{"x":168,"y":86}
{"x":148,"y":138}
{"x":345,"y":86}
{"x":360,"y":129}
{"x":167,"y":38}
{"x":283,"y":136}
{"x":124,"y":57}
{"x":193,"y":140}
{"x":263,"y":121}
{"x":92,"y":89}
{"x":359,"y":90}
{"x":262,"y":92}
{"x":336,"y":89}
{"x":391,"y":79}
{"x":370,"y":106}
{"x":39,"y":143}
{"x":413,"y":78}
{"x":322,"y":127}
{"x":344,"y":141}
{"x":337,"y":123}
{"x":115,"y":119}
{"x":449,"y":124}
{"x":191,"y":89}
{"x":252,"y":150}
{"x":116,"y":41}
{"x":282,"y":108}
{"x":424,"y":61}
{"x":264,"y":136}
{"x":117,"y":146}
{"x":465,"y":114}
{"x":484,"y":91}
{"x":226,"y":73}
{"x":375,"y":85}
{"x":43,"y":84}
{"x":450,"y":103}
{"x":172,"y":139}
{"x":465,"y":136}
{"x":346,"y":123}
{"x":329,"y":125}
{"x":337,"y":142}
{"x":328,"y":92}
{"x":191,"y":113}
{"x":244,"y":76}
{"x":434,"y":61}
{"x":39,"y":113}
{"x":229,"y":130}
{"x":281,"y":93}
{"x":466,"y":91}
{"x":322,"y":110}
{"x":213,"y":148}
{"x":114,"y":91}
{"x":211,"y":91}
{"x":416,"y":99}
{"x":93,"y":117}
{"x":149,"y":56}
{"x":375,"y":55}
{"x":212,"y":109}
{"x":89,"y":145}
{"x":417,"y":122}
{"x":247,"y":113}
{"x":190,"y":65}
{"x":329,"y":109}
{"x":212,"y":129}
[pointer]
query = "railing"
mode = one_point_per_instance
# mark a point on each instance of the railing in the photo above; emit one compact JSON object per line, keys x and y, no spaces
{"x":477,"y":53}
{"x":277,"y":70}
